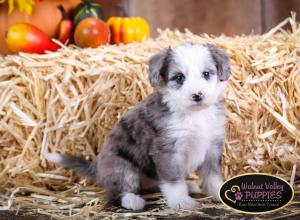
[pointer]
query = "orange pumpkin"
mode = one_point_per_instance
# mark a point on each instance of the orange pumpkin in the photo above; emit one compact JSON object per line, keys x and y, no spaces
{"x":128,"y":29}
{"x":45,"y":16}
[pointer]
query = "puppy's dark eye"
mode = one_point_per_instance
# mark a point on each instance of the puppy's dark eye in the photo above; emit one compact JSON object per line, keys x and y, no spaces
{"x":206,"y":75}
{"x":179,"y":78}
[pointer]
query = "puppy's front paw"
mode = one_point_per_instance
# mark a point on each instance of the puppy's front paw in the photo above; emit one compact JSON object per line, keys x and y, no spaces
{"x":177,"y":196}
{"x":213,"y":187}
{"x":185,"y":202}
{"x":193,"y":187}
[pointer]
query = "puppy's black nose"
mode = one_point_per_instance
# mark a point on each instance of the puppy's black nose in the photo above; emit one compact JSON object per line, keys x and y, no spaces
{"x":197,"y":97}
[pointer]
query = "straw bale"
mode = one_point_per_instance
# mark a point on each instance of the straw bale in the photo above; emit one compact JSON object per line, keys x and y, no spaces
{"x":67,"y":101}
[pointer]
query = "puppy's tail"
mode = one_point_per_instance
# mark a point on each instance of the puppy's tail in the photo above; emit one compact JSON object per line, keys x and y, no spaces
{"x":81,"y":166}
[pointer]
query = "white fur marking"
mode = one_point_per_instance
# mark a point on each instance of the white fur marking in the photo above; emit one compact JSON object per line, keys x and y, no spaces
{"x":132,"y":201}
{"x":195,"y":132}
{"x":53,"y":157}
{"x":177,"y":196}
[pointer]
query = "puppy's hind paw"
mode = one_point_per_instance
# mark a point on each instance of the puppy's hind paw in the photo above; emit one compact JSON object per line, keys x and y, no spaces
{"x":186,"y":202}
{"x":132,"y":201}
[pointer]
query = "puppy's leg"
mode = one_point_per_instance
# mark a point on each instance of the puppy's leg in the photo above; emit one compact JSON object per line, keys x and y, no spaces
{"x":122,"y":183}
{"x":171,"y":174}
{"x":210,"y":172}
{"x":122,"y":188}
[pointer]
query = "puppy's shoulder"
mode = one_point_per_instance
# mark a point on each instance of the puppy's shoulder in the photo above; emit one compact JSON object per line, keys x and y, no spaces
{"x":146,"y":118}
{"x":153,"y":107}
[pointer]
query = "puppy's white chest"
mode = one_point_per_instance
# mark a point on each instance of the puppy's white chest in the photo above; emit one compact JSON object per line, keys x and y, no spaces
{"x":195,"y":134}
{"x":197,"y":141}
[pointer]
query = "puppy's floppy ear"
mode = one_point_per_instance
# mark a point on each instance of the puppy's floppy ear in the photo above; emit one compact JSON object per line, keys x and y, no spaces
{"x":158,"y":67}
{"x":222,"y":62}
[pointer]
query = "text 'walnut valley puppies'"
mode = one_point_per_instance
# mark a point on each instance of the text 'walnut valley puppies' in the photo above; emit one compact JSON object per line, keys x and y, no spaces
{"x":177,"y":130}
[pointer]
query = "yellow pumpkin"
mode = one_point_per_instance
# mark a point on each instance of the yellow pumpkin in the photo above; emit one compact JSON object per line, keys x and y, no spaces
{"x":45,"y":16}
{"x":128,"y":29}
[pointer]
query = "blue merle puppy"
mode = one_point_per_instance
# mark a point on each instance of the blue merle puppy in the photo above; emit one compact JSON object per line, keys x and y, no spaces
{"x":178,"y":129}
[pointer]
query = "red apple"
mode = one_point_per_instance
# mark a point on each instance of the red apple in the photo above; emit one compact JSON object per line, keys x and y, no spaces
{"x":91,"y":32}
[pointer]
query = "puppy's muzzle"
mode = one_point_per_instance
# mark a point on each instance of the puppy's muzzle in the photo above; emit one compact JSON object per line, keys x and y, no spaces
{"x":197,"y":97}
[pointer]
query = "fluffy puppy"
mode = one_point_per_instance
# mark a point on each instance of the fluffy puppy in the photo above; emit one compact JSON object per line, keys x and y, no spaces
{"x":177,"y":130}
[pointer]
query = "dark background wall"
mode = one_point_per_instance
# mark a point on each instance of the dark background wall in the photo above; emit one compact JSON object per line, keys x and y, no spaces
{"x":230,"y":17}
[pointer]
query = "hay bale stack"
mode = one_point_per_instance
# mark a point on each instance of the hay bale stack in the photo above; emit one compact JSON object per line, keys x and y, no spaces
{"x":69,"y":100}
